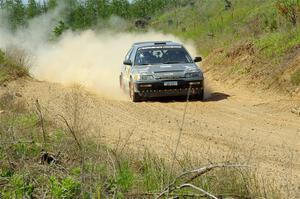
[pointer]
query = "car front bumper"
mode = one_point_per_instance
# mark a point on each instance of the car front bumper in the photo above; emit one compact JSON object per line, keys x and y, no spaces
{"x":158,"y":89}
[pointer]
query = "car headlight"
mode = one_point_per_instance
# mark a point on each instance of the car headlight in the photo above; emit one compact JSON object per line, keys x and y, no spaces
{"x":143,"y":77}
{"x":146,"y":77}
{"x":193,"y":75}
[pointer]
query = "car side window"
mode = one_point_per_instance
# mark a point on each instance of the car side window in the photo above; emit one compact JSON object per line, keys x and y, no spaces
{"x":132,"y":56}
{"x":128,"y":54}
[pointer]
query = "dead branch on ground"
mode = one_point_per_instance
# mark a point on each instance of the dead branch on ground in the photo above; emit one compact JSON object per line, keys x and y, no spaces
{"x":195,"y":174}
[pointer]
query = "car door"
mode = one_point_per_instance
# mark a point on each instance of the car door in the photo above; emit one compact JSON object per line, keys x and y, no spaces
{"x":128,"y":68}
{"x":125,"y":71}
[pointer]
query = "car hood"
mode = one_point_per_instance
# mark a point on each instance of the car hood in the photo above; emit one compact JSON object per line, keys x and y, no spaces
{"x":167,"y":68}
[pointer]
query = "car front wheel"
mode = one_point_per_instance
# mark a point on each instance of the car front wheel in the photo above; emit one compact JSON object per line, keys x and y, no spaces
{"x":200,"y":95}
{"x":133,"y":95}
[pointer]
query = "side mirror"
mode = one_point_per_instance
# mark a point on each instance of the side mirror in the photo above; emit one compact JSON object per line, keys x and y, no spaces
{"x":198,"y":59}
{"x":127,"y":62}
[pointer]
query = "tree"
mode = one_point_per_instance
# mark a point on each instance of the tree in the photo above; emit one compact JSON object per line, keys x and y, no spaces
{"x":120,"y":8}
{"x":52,"y":4}
{"x":59,"y":29}
{"x":32,"y":9}
{"x":16,"y":13}
{"x":2,"y":3}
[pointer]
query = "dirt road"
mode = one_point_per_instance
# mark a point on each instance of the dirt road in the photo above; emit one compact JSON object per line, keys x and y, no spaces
{"x":256,"y":128}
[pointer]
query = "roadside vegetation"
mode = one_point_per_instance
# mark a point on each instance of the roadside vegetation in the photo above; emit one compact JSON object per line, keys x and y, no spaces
{"x":12,"y":65}
{"x":256,"y":41}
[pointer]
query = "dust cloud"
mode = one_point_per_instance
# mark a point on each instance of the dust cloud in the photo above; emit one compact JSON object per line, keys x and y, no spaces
{"x":90,"y":58}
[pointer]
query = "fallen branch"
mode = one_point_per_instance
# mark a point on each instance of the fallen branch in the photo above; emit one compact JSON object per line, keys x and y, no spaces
{"x":197,"y":188}
{"x":197,"y":173}
{"x":184,"y":195}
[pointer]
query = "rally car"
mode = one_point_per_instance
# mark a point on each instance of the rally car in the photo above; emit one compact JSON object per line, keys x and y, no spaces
{"x":161,"y":69}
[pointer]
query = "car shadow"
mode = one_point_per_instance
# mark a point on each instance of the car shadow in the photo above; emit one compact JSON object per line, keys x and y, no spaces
{"x":217,"y":96}
{"x":213,"y":97}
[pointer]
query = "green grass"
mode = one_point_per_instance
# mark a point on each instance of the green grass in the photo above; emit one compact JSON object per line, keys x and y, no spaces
{"x":210,"y":26}
{"x":276,"y":44}
{"x":226,"y":26}
{"x":295,"y":78}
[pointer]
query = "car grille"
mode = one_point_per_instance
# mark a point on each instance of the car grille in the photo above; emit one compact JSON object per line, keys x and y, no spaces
{"x":169,"y":75}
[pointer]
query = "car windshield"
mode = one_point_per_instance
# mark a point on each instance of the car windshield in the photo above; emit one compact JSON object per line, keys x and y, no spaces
{"x":162,"y":55}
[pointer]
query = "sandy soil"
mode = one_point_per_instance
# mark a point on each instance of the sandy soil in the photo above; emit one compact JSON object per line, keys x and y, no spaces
{"x":236,"y":124}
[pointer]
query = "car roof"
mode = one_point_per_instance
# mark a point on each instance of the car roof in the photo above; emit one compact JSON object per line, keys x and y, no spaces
{"x":156,"y":43}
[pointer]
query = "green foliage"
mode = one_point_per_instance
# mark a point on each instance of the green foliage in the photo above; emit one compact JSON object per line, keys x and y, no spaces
{"x":295,"y":78}
{"x":82,"y":14}
{"x":17,"y":13}
{"x":6,"y":171}
{"x":125,"y":177}
{"x":67,"y":188}
{"x":51,"y":4}
{"x":33,"y":9}
{"x":275,"y":44}
{"x":76,"y":171}
{"x":59,"y":29}
{"x":19,"y":188}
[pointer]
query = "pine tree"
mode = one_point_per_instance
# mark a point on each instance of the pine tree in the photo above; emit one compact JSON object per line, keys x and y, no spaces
{"x":32,"y":9}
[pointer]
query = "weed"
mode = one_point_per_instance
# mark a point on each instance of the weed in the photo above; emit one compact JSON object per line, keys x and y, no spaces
{"x":125,"y":177}
{"x":67,"y":188}
{"x":19,"y":188}
{"x":295,"y":78}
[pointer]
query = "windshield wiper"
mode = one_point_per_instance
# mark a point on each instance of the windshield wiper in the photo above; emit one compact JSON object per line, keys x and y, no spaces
{"x":172,"y":62}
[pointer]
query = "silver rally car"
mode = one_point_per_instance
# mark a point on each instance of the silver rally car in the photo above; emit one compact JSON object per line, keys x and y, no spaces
{"x":161,"y":69}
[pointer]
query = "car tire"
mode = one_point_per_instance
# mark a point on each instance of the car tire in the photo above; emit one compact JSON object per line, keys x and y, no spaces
{"x":133,"y":95}
{"x":200,"y":95}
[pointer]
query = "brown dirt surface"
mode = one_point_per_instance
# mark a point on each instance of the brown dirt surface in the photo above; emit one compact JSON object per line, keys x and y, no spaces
{"x":233,"y":123}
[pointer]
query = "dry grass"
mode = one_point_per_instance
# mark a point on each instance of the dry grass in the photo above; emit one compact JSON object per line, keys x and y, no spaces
{"x":14,"y":63}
